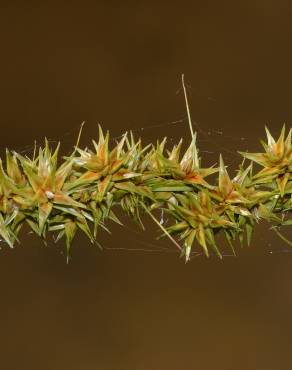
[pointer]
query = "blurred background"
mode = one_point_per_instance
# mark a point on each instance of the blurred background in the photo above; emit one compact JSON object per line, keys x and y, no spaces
{"x":120,"y":64}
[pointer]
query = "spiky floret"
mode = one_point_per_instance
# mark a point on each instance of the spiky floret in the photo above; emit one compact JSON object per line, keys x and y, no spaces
{"x":276,"y":161}
{"x":82,"y":192}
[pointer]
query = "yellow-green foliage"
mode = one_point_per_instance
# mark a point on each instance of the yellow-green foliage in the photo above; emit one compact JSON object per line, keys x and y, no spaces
{"x":81,"y":192}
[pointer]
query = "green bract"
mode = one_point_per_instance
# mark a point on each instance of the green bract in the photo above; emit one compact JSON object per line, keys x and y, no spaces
{"x":82,"y":191}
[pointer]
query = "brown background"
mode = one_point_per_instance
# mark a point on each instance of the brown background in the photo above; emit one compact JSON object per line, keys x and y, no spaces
{"x":119,"y":63}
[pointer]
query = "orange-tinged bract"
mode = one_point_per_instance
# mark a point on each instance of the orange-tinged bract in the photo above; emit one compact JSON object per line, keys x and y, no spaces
{"x":82,"y":191}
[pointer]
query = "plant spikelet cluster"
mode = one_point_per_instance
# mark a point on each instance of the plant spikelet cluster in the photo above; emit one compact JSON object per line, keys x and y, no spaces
{"x":83,"y":191}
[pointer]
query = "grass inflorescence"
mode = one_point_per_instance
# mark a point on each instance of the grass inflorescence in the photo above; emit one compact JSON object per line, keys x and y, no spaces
{"x":82,"y":192}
